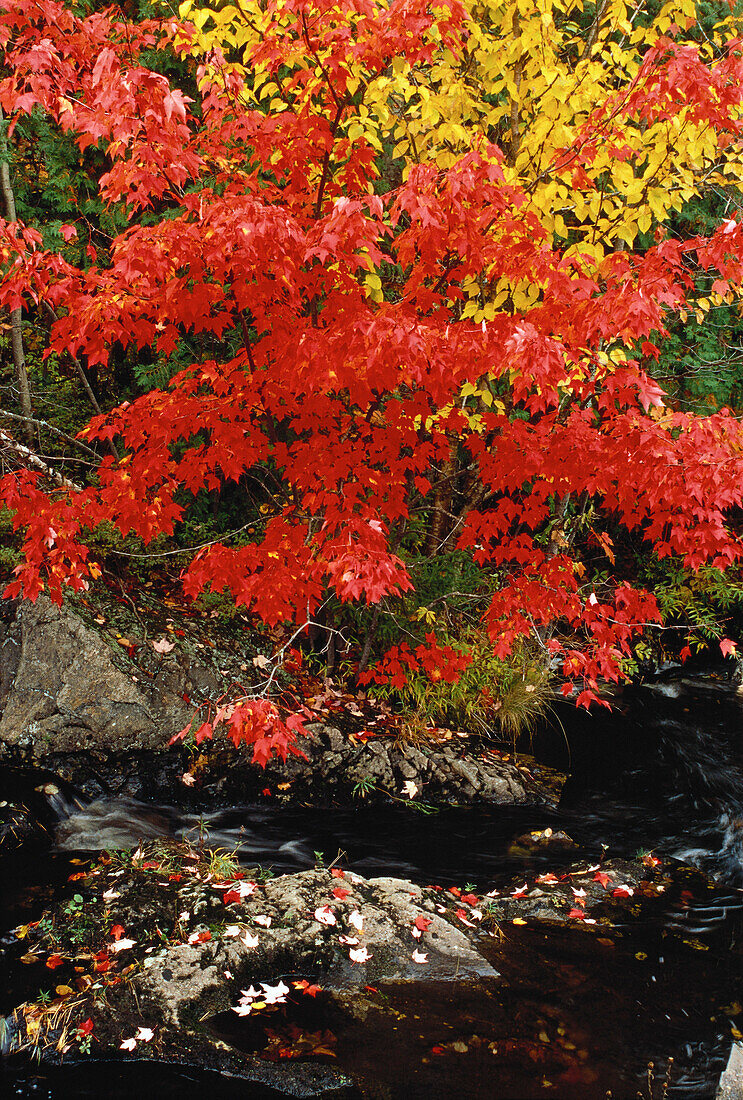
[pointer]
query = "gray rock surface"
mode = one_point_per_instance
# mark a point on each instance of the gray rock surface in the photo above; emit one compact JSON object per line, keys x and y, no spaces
{"x":730,"y":1086}
{"x":451,"y":772}
{"x":186,"y":981}
{"x":61,"y":689}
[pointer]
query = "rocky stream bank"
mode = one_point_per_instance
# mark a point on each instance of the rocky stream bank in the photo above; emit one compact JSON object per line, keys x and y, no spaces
{"x":175,"y":951}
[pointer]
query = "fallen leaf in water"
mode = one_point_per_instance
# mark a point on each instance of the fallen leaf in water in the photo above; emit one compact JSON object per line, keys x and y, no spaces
{"x":274,"y":994}
{"x":309,"y":990}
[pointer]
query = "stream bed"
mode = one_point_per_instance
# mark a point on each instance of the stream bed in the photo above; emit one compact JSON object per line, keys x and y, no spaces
{"x":574,"y":1013}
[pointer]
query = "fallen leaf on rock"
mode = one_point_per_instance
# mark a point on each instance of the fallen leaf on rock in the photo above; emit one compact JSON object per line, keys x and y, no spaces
{"x":623,"y":891}
{"x":187,"y":779}
{"x":545,"y":880}
{"x":337,"y":873}
{"x":249,"y":941}
{"x":163,"y":646}
{"x":325,"y":915}
{"x":356,"y":920}
{"x":419,"y":957}
{"x":340,"y":892}
{"x":144,"y":1035}
{"x":348,"y":941}
{"x":128,"y":1044}
{"x":359,"y":955}
{"x":422,"y":923}
{"x":410,"y":789}
{"x":602,"y":878}
{"x":117,"y":931}
{"x":263,"y":920}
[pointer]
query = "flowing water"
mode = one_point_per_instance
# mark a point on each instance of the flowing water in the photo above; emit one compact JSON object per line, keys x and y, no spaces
{"x":573,"y":1015}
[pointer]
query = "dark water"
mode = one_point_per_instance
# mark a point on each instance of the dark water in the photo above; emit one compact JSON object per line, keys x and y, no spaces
{"x":571,"y":1015}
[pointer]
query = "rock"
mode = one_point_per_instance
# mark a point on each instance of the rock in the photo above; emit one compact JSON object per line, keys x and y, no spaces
{"x":439,"y":773}
{"x":730,"y":1086}
{"x":541,"y":840}
{"x":62,"y":691}
{"x":18,"y":827}
{"x":186,"y":981}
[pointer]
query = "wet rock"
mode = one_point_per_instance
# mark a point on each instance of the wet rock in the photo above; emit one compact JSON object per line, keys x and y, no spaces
{"x":439,"y":773}
{"x":541,"y":840}
{"x":18,"y":827}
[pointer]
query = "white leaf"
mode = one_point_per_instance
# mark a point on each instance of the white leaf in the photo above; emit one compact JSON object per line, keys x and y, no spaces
{"x":249,"y":941}
{"x":128,"y":1044}
{"x":145,"y":1035}
{"x":410,"y":789}
{"x":419,"y":956}
{"x":325,"y":915}
{"x":359,"y":955}
{"x":121,"y":945}
{"x":356,"y":920}
{"x":274,"y":994}
{"x":348,"y":941}
{"x":263,"y":920}
{"x":163,"y":646}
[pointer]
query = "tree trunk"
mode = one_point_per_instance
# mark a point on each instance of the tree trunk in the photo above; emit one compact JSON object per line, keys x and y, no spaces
{"x":16,"y":317}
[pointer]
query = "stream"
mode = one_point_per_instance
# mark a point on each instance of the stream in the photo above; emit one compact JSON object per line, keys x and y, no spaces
{"x":571,"y":1015}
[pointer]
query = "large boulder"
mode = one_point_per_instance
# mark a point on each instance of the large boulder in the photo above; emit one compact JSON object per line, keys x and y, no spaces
{"x":64,"y":689}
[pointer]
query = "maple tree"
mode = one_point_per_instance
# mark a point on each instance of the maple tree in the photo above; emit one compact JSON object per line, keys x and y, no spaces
{"x":421,"y":254}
